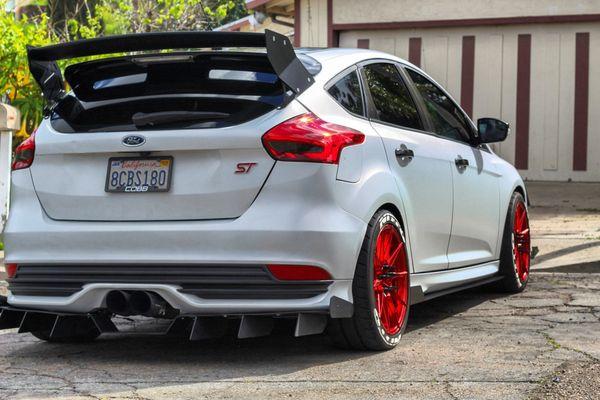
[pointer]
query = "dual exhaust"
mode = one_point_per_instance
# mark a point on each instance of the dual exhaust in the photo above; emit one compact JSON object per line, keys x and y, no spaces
{"x":148,"y":304}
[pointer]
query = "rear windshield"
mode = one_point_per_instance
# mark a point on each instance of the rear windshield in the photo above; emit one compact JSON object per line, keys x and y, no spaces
{"x":168,"y":91}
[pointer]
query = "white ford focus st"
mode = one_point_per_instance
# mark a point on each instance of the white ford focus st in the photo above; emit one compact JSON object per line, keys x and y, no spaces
{"x":335,"y":187}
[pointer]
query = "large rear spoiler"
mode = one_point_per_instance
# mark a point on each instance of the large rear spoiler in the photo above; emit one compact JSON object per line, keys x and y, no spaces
{"x":280,"y":52}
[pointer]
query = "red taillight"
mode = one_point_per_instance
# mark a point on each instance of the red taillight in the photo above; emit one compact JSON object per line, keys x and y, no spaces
{"x":11,"y":270}
{"x":24,"y":153}
{"x":308,"y":138}
{"x":299,"y":273}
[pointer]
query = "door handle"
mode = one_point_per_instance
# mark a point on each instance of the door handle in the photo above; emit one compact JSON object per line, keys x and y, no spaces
{"x":461,"y":162}
{"x":403,"y":152}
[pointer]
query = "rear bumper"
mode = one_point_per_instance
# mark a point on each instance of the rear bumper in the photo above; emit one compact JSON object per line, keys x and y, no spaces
{"x":93,"y":296}
{"x":295,"y":220}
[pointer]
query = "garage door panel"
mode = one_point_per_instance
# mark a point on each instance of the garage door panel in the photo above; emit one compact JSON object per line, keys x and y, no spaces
{"x":435,"y":58}
{"x":488,"y":78}
{"x":551,"y":76}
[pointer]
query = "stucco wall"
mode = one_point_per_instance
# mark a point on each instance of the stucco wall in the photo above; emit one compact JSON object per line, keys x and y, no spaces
{"x":361,"y":11}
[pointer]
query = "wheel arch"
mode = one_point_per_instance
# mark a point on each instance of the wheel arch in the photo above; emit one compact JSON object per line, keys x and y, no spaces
{"x":506,"y":196}
{"x":391,"y":207}
{"x":521,"y":189}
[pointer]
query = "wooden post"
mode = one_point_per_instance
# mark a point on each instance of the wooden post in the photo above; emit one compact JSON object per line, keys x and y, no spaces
{"x":10,"y":121}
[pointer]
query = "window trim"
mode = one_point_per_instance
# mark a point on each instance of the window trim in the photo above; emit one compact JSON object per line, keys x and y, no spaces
{"x":472,"y":141}
{"x":372,"y":110}
{"x":336,"y":79}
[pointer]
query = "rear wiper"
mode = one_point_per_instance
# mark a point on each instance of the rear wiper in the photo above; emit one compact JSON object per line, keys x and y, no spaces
{"x":141,"y":119}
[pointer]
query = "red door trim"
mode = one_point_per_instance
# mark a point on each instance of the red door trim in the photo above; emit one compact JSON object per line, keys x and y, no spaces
{"x":362,"y":44}
{"x":414,"y":50}
{"x":523,"y":98}
{"x":443,"y":23}
{"x":467,"y":74}
{"x":297,"y":23}
{"x":580,"y":125}
{"x":332,"y":35}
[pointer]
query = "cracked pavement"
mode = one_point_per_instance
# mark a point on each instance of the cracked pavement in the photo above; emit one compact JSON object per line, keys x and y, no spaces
{"x":475,"y":344}
{"x":539,"y":344}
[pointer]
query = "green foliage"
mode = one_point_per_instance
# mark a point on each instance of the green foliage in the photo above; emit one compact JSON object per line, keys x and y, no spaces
{"x":14,"y":72}
{"x":125,"y":16}
{"x":220,"y":12}
{"x":65,"y":20}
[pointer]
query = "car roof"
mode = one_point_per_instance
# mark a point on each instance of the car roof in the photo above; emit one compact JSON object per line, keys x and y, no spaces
{"x":335,"y":60}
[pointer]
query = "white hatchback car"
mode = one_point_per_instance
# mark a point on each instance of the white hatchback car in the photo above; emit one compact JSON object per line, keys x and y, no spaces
{"x":333,"y":186}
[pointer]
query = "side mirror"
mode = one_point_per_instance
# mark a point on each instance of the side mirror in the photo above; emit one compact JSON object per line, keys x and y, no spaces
{"x":492,"y":130}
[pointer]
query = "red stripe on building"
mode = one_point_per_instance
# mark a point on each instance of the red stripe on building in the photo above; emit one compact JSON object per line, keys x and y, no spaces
{"x":414,"y":51}
{"x":297,"y":23}
{"x":449,"y":23}
{"x":467,"y":74}
{"x":333,"y":36}
{"x":582,"y":79}
{"x":523,"y":97}
{"x":255,"y":3}
{"x":362,"y":43}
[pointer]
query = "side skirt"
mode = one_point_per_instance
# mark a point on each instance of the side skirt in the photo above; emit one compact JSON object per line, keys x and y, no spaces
{"x":429,"y":285}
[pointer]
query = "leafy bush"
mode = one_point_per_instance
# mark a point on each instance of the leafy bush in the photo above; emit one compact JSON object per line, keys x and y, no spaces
{"x":14,"y":72}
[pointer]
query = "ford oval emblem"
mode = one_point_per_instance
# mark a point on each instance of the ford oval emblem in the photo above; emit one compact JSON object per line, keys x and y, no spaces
{"x":133,"y":140}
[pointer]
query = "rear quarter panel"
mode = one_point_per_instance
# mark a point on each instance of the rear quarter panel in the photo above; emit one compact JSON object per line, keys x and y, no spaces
{"x":376,"y":185}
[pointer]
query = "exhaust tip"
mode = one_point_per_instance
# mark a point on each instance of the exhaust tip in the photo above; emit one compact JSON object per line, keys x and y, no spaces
{"x":118,"y":302}
{"x":140,"y":303}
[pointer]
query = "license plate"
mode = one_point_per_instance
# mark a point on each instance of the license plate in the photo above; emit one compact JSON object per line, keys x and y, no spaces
{"x":139,"y":174}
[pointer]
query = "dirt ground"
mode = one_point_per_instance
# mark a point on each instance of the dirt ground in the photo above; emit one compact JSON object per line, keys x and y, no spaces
{"x":539,"y":344}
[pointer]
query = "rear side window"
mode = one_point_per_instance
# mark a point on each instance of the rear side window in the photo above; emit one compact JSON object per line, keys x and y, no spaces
{"x":447,"y":118}
{"x":391,"y":97}
{"x":346,"y":91}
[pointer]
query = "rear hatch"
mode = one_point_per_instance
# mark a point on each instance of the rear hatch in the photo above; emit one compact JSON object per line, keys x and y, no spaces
{"x":160,"y":137}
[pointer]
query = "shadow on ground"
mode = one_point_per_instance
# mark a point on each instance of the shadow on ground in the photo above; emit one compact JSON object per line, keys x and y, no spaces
{"x":592,"y":267}
{"x":566,"y":250}
{"x":115,"y":365}
{"x":281,"y":347}
{"x":436,"y":310}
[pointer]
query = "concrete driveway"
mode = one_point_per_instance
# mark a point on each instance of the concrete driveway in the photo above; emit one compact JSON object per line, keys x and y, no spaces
{"x":543,"y":343}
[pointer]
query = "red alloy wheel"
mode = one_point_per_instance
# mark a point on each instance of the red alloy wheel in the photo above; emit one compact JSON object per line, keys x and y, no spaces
{"x":521,"y":242}
{"x":390,"y":279}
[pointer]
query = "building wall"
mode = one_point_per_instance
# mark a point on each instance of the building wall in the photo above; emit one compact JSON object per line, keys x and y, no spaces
{"x":353,"y":11}
{"x":530,"y":72}
{"x":313,"y":23}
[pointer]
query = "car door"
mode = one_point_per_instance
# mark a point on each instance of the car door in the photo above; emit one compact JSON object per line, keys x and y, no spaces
{"x":476,"y":203}
{"x":423,"y":172}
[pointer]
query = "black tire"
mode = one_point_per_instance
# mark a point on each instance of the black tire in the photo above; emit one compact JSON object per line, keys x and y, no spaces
{"x":511,"y":282}
{"x":364,"y":330}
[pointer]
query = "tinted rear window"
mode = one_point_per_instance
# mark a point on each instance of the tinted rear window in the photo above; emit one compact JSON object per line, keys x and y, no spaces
{"x":346,"y":91}
{"x":108,"y":93}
